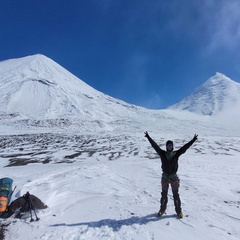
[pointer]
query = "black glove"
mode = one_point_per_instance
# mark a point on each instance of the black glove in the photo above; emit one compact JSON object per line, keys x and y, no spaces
{"x":195,"y":137}
{"x":146,"y":134}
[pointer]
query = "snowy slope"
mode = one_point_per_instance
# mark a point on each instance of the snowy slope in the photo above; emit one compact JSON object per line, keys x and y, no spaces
{"x":84,"y":154}
{"x":39,"y":95}
{"x":107,"y":186}
{"x":38,"y":92}
{"x":216,"y":96}
{"x":38,"y":87}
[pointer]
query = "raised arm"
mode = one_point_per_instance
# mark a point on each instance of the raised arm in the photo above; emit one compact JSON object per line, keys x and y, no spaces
{"x":184,"y":148}
{"x":153,"y":143}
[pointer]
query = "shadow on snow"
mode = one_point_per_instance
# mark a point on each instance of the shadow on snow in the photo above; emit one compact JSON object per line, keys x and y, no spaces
{"x":117,"y":224}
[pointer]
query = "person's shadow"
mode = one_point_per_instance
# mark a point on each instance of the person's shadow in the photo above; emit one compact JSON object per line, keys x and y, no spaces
{"x":117,"y":224}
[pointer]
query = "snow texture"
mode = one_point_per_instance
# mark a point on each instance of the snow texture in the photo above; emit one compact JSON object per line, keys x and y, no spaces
{"x":84,"y":154}
{"x":217,"y":95}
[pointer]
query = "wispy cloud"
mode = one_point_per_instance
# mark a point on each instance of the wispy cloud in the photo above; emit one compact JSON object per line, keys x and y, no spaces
{"x":154,"y":101}
{"x":225,"y":27}
{"x":215,"y":23}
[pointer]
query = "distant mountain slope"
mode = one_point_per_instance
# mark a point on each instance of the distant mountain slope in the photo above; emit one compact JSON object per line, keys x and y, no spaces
{"x":36,"y":92}
{"x":38,"y":87}
{"x":217,"y":95}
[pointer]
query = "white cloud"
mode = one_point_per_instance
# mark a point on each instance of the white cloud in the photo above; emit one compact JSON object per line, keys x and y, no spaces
{"x":225,"y":28}
{"x":154,"y":101}
{"x":215,"y":23}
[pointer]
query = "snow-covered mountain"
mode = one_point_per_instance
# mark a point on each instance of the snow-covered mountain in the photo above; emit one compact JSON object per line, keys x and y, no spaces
{"x":102,"y":184}
{"x":38,"y":87}
{"x":218,"y":95}
{"x":38,"y":92}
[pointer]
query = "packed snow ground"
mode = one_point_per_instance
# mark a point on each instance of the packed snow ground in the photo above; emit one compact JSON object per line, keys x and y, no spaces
{"x":107,"y":186}
{"x":84,"y":154}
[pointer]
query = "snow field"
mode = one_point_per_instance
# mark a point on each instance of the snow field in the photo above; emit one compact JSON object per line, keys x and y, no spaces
{"x":116,"y":196}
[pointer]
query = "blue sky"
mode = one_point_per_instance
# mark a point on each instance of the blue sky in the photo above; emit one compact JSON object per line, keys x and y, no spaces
{"x":150,"y":53}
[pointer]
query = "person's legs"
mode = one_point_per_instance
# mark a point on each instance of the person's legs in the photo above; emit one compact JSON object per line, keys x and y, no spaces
{"x":175,"y":183}
{"x":164,"y":197}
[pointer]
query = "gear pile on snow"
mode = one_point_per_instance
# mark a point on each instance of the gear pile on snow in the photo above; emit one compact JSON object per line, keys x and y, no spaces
{"x":21,"y":205}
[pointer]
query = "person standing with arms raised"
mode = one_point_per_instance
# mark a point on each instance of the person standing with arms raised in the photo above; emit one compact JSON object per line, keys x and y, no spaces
{"x":169,"y":159}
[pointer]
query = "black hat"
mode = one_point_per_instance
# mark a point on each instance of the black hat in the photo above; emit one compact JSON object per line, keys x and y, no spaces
{"x":169,"y":142}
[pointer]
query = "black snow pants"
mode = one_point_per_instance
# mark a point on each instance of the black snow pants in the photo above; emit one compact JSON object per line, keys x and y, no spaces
{"x":174,"y":181}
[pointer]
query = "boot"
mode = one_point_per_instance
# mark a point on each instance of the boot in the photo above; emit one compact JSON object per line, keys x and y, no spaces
{"x":163,"y":201}
{"x":180,"y":215}
{"x":160,"y":213}
{"x":177,"y":203}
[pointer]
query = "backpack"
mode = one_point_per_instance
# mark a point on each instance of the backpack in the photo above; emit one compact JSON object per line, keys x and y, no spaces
{"x":5,"y":193}
{"x":25,"y":203}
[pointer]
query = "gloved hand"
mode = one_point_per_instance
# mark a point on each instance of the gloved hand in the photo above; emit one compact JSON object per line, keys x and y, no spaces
{"x":195,"y":137}
{"x":146,"y":134}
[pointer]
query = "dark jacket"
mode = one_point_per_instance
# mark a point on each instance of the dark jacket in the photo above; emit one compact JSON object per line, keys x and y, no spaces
{"x":169,"y":159}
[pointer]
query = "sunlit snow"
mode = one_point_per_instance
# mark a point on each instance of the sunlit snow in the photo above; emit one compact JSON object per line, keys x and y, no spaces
{"x":84,"y":154}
